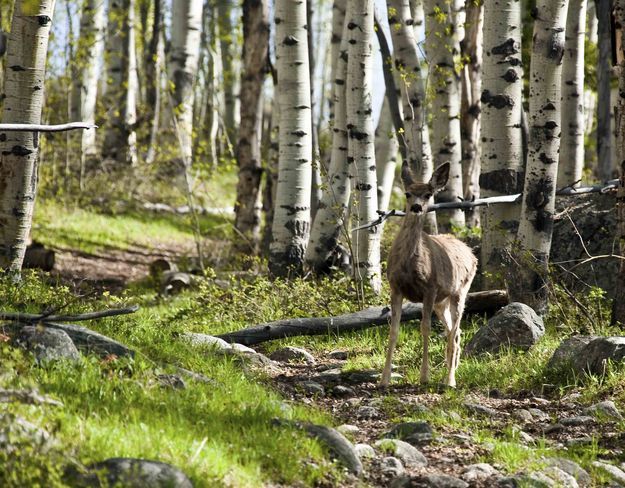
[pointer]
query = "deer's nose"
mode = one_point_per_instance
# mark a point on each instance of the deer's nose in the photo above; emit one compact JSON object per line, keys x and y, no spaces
{"x":416,"y":208}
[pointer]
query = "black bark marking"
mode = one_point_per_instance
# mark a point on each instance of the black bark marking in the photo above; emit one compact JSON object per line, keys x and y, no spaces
{"x":363,"y":187}
{"x":497,"y":101}
{"x":538,"y":197}
{"x":43,"y":20}
{"x":18,"y":151}
{"x":17,"y":68}
{"x":506,"y":181}
{"x":290,"y":41}
{"x":506,"y":48}
{"x":511,"y":76}
{"x":292,"y":210}
{"x":546,"y":159}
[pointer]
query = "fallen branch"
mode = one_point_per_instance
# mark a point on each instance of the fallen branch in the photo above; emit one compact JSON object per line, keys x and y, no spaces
{"x":478,"y":302}
{"x":26,"y":396}
{"x":45,"y":127}
{"x":29,"y":318}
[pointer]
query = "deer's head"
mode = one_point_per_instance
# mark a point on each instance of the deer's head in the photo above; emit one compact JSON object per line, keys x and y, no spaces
{"x":418,"y":194}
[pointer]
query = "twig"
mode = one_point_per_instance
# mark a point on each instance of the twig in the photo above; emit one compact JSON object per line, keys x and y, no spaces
{"x":30,"y":317}
{"x":45,"y":127}
{"x":593,"y":258}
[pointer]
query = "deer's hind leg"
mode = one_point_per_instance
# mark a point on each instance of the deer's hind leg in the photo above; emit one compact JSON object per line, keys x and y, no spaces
{"x":396,"y":306}
{"x":453,"y":339}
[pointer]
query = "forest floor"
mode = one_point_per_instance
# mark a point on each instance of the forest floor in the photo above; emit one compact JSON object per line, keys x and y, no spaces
{"x":507,"y":411}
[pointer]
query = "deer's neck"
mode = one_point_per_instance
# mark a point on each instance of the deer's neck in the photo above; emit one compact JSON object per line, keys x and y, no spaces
{"x":412,"y":228}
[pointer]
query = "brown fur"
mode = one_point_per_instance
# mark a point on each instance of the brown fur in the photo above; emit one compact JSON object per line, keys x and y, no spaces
{"x":435,"y":270}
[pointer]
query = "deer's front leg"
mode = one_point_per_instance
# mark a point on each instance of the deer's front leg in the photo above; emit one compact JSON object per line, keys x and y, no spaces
{"x":396,"y":302}
{"x":426,"y":327}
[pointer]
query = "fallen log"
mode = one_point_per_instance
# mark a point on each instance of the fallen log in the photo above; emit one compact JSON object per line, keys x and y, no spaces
{"x":37,"y":256}
{"x":481,"y":302}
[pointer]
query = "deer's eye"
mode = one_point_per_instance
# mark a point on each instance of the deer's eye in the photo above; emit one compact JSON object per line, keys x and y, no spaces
{"x":408,"y":195}
{"x":427,"y":196}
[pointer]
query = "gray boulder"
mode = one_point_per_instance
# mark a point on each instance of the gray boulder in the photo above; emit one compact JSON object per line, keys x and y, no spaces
{"x":572,"y":468}
{"x":582,"y":354}
{"x":338,"y":444}
{"x":606,"y":410}
{"x":47,"y":344}
{"x":409,"y":455}
{"x":292,"y":355}
{"x":515,"y":325}
{"x":475,"y":473}
{"x":130,"y":473}
{"x":411,"y":432}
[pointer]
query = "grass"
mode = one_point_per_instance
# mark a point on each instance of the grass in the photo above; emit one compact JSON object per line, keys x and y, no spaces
{"x":221,"y":433}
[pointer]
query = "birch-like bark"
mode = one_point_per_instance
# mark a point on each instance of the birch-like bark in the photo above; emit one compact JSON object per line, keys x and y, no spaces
{"x":605,"y":165}
{"x":271,"y":171}
{"x":183,"y":61}
{"x":154,"y":55}
{"x":360,"y":133}
{"x":571,"y":162}
{"x":227,"y":41}
{"x":470,"y":105}
{"x":317,"y":183}
{"x":618,"y":310}
{"x":338,"y":19}
{"x":330,"y":219}
{"x":291,"y":223}
{"x":89,"y":52}
{"x":502,"y":170}
{"x":120,"y":142}
{"x":255,"y":50}
{"x":529,"y":285}
{"x":590,"y":95}
{"x":386,"y":149}
{"x":24,"y":94}
{"x":443,"y":52}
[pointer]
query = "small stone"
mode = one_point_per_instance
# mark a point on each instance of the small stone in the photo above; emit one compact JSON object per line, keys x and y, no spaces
{"x":579,"y":441}
{"x":604,"y":410}
{"x":368,"y":412}
{"x":526,"y":438}
{"x":538,"y":414}
{"x":507,"y":482}
{"x":348,"y":429}
{"x":414,"y":433}
{"x":197,"y":339}
{"x":438,"y":481}
{"x":478,"y":472}
{"x":338,"y":445}
{"x":481,"y":409}
{"x":47,"y":344}
{"x":240,"y":348}
{"x":329,"y":376}
{"x":615,"y":473}
{"x":577,"y":421}
{"x":338,"y":355}
{"x":364,"y":451}
{"x":311,"y":388}
{"x":171,"y":381}
{"x":292,"y":355}
{"x":523,"y":415}
{"x":572,"y":468}
{"x":410,"y":456}
{"x":462,"y":438}
{"x":537,"y":480}
{"x":454,"y":416}
{"x":391,"y":466}
{"x":341,"y":391}
{"x":562,"y":478}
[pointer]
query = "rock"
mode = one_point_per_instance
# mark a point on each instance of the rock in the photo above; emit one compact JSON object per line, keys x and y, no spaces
{"x":329,"y":376}
{"x":338,"y":445}
{"x":240,"y":348}
{"x":171,"y":381}
{"x":292,"y":355}
{"x":553,"y":428}
{"x":478,"y":472}
{"x":341,"y":391}
{"x":538,"y":414}
{"x":18,"y":434}
{"x":411,"y":432}
{"x":562,"y":478}
{"x":578,"y":441}
{"x":364,"y":451}
{"x":481,"y":409}
{"x":429,"y":481}
{"x":197,"y":339}
{"x":409,"y":455}
{"x":571,"y":467}
{"x":577,"y":421}
{"x":131,"y":473}
{"x":199,"y":377}
{"x":604,"y":410}
{"x":615,"y":473}
{"x":391,"y":466}
{"x":47,"y":344}
{"x":338,"y":355}
{"x":507,"y":482}
{"x":526,"y":438}
{"x":90,"y":342}
{"x":348,"y":429}
{"x":311,"y":388}
{"x":523,"y":415}
{"x":588,"y":354}
{"x":515,"y":325}
{"x":368,"y":412}
{"x":536,"y":479}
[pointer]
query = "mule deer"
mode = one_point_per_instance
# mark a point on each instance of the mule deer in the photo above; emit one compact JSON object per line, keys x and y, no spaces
{"x":435,"y":270}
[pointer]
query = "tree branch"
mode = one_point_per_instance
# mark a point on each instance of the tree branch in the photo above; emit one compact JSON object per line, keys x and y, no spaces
{"x":33,"y":318}
{"x":46,"y":128}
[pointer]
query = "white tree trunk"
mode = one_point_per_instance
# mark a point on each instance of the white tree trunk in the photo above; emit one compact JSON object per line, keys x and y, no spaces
{"x":183,"y":60}
{"x":535,"y":230}
{"x":330,"y":218}
{"x":120,"y":139}
{"x":291,"y":223}
{"x":338,"y":20}
{"x":366,"y":242}
{"x":590,"y":95}
{"x":443,"y":51}
{"x":24,"y":93}
{"x":501,"y":146}
{"x":85,"y":86}
{"x":386,"y":148}
{"x":571,"y":162}
{"x":228,"y":43}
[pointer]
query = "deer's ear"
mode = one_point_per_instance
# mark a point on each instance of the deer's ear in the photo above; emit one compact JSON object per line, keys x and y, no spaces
{"x":440,"y":176}
{"x":407,"y":177}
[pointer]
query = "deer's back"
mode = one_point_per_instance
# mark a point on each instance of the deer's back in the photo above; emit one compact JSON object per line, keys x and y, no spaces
{"x":443,"y":266}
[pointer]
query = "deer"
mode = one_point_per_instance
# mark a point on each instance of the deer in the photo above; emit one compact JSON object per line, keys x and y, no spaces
{"x":436,"y":270}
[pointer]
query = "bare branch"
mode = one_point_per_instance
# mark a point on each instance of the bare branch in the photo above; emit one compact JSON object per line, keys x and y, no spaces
{"x":45,"y":128}
{"x":30,"y":317}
